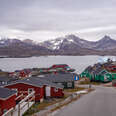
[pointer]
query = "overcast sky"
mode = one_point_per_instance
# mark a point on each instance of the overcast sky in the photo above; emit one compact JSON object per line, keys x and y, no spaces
{"x":47,"y":19}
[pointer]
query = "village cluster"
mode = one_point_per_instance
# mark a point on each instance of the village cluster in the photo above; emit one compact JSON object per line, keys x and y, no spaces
{"x":44,"y":82}
{"x":37,"y":84}
{"x":101,"y":72}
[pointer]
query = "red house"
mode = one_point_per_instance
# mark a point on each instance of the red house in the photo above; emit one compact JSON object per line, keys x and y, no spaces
{"x":41,"y":87}
{"x":7,"y":100}
{"x":56,"y":92}
{"x":112,"y":68}
{"x":26,"y":86}
{"x":50,"y":89}
{"x":62,"y":67}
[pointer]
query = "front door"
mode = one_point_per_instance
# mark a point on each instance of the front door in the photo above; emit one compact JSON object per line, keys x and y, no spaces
{"x":48,"y":91}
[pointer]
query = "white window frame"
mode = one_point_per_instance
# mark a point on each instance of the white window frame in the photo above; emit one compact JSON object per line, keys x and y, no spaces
{"x":3,"y":82}
{"x":15,"y":90}
{"x":5,"y":110}
{"x":56,"y":89}
{"x":29,"y":92}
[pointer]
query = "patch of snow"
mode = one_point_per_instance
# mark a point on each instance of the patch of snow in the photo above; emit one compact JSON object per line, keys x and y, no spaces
{"x":81,"y":92}
{"x":54,"y":47}
{"x":70,"y":40}
{"x":57,"y":43}
{"x":53,"y":41}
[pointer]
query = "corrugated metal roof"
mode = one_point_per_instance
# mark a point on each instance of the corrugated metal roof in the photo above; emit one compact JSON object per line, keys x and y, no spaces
{"x":60,"y":77}
{"x":5,"y":93}
{"x":4,"y":78}
{"x":45,"y":81}
{"x":34,"y":81}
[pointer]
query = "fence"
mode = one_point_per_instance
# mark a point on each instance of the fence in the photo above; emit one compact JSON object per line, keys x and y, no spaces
{"x":22,"y":106}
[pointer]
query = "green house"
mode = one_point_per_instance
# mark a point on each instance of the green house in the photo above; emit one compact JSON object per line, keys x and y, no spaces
{"x":86,"y":72}
{"x":98,"y":73}
{"x":102,"y":76}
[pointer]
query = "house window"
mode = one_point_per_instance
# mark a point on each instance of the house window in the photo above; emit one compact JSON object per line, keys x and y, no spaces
{"x":30,"y":90}
{"x":5,"y":110}
{"x":69,"y":84}
{"x":16,"y":91}
{"x":56,"y":89}
{"x":4,"y":82}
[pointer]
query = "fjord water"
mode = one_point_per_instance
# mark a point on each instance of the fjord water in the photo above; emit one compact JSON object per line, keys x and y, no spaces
{"x":77,"y":62}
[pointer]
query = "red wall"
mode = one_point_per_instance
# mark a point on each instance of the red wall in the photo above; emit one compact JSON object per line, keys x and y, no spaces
{"x":59,"y":93}
{"x":39,"y":92}
{"x":7,"y":104}
{"x":114,"y":85}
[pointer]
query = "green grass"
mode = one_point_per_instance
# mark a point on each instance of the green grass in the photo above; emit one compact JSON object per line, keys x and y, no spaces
{"x":88,"y":82}
{"x":74,"y":90}
{"x":41,"y":106}
{"x":32,"y":110}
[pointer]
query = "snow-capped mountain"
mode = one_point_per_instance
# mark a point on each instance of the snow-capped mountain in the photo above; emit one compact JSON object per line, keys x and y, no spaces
{"x":68,"y":45}
{"x":106,"y":43}
{"x":59,"y":43}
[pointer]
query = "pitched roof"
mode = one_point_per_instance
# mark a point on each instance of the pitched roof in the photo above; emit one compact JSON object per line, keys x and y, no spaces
{"x":28,"y":81}
{"x":5,"y":93}
{"x":66,"y":77}
{"x":35,"y":82}
{"x":3,"y":78}
{"x":44,"y":81}
{"x":6,"y":78}
{"x":89,"y":69}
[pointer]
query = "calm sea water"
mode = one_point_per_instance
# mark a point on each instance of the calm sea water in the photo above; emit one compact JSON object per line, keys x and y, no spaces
{"x":77,"y":62}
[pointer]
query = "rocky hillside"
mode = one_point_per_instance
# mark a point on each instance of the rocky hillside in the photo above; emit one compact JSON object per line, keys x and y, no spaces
{"x":68,"y":45}
{"x":18,"y":48}
{"x":106,"y":43}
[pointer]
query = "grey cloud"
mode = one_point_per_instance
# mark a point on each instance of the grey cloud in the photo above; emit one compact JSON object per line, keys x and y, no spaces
{"x":56,"y":15}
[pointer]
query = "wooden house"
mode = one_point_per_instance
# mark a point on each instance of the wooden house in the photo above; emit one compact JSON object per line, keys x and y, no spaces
{"x":105,"y":76}
{"x":25,"y":87}
{"x":87,"y":72}
{"x":101,"y":75}
{"x":62,"y":67}
{"x":65,"y":79}
{"x":97,"y":73}
{"x":50,"y":89}
{"x":41,"y":87}
{"x":7,"y":100}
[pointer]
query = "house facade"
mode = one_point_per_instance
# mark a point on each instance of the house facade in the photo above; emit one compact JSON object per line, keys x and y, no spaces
{"x":65,"y":79}
{"x":40,"y":86}
{"x":25,"y":87}
{"x":50,"y":89}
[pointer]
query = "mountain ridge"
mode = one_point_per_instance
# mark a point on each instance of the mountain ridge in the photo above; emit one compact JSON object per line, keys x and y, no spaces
{"x":68,"y":45}
{"x":72,"y":39}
